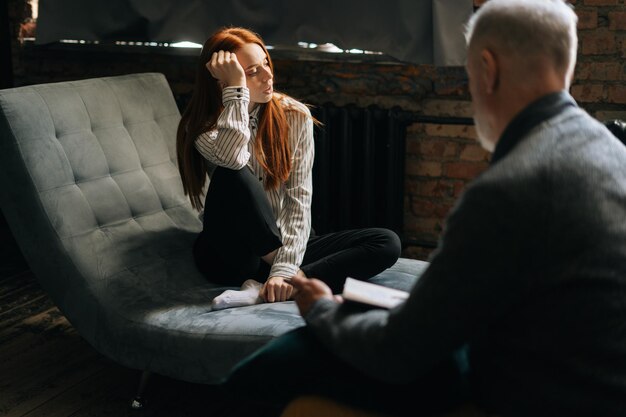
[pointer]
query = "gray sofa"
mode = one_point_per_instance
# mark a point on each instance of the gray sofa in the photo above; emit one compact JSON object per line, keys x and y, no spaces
{"x":91,"y":191}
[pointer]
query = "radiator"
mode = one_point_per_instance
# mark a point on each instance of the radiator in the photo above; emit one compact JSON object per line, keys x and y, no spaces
{"x":358,"y":174}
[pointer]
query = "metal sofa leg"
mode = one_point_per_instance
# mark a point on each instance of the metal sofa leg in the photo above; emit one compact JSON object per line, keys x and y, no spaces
{"x":139,"y":401}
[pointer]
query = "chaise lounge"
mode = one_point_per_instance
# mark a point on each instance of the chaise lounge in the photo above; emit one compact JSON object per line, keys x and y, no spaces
{"x":91,"y":191}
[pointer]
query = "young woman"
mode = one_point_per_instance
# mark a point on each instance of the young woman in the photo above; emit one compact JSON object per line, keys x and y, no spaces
{"x":256,"y":146}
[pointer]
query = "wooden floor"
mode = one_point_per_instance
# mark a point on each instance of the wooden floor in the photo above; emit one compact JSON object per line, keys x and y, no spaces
{"x":47,"y":370}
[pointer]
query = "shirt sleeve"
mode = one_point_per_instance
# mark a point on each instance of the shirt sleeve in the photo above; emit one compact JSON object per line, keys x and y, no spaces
{"x":227,"y":145}
{"x":295,"y":216}
{"x":474,"y":279}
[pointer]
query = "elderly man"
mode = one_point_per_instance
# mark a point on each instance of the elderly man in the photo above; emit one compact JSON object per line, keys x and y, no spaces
{"x":530,"y":272}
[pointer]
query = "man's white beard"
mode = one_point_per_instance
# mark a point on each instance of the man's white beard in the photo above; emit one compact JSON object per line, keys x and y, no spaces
{"x":483,"y":133}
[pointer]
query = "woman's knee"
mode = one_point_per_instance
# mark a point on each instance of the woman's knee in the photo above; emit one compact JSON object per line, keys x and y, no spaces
{"x":226,"y":268}
{"x":234,"y":178}
{"x":236,"y":188}
{"x":389,"y":245}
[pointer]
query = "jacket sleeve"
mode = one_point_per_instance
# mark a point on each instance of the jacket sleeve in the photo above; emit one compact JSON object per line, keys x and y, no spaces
{"x":472,"y":280}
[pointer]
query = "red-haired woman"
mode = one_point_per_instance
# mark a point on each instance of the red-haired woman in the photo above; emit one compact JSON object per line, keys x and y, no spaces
{"x":256,"y":145}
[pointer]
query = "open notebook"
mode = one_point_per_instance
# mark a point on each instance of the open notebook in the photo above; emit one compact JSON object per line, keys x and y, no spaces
{"x":373,"y":294}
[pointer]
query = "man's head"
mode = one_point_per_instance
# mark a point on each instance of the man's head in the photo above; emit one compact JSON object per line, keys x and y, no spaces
{"x":518,"y":51}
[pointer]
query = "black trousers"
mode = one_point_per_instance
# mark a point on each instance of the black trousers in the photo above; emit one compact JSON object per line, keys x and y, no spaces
{"x":297,"y":363}
{"x":240,"y":227}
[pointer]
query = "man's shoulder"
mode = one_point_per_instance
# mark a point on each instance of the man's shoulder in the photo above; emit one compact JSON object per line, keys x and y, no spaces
{"x":559,"y":139}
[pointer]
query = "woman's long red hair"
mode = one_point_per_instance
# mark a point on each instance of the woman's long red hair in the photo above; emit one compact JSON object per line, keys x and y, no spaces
{"x":271,"y":144}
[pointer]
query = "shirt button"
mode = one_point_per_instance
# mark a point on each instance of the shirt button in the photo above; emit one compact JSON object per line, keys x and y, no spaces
{"x":260,"y":178}
{"x":238,"y":95}
{"x":239,"y":90}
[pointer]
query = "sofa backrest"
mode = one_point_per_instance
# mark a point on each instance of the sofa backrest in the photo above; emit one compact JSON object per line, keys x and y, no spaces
{"x":88,"y":173}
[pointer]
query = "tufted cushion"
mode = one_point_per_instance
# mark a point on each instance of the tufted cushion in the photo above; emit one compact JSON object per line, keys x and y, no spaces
{"x":90,"y":188}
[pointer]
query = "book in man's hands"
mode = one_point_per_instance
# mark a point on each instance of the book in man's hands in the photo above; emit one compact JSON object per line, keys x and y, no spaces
{"x":373,"y":294}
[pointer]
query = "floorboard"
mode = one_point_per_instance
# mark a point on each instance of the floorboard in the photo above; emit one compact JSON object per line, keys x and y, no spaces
{"x":48,"y":370}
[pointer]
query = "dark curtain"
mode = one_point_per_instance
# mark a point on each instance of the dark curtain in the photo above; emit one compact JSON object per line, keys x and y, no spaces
{"x":417,"y":31}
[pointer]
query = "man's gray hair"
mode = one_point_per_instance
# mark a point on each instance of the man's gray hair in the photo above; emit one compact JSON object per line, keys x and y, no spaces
{"x":527,"y":29}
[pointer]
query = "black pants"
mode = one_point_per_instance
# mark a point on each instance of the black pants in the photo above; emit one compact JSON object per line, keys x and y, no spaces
{"x":240,"y":227}
{"x":297,"y":363}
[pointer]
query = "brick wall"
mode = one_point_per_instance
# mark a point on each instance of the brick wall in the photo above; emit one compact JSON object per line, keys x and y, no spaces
{"x":441,"y":157}
{"x":600,"y":79}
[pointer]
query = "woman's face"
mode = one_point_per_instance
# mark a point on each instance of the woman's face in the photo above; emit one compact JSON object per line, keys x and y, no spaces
{"x":259,"y":77}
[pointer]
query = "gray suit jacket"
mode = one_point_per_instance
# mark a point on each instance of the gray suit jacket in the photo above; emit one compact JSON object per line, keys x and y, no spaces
{"x":530,"y":272}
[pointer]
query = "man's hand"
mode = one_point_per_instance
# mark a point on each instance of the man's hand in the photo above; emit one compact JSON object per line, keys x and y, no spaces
{"x":276,"y":289}
{"x":308,"y":291}
{"x":225,"y":67}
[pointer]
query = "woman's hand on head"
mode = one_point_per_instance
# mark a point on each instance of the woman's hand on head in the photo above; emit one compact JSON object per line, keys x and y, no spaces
{"x":276,"y":289}
{"x":225,"y":67}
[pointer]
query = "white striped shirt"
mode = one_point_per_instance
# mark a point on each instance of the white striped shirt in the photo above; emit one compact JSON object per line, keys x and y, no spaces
{"x":229,"y":146}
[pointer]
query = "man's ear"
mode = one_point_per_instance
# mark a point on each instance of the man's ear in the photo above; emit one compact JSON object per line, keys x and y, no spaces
{"x":490,"y":70}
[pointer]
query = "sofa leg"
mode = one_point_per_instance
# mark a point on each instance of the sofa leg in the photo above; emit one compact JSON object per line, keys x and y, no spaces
{"x":139,"y":402}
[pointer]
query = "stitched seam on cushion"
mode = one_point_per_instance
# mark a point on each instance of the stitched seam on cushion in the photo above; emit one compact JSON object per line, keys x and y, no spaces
{"x":107,"y":225}
{"x":106,"y":176}
{"x":19,"y":146}
{"x":100,"y":227}
{"x":70,"y":184}
{"x":91,"y":130}
{"x":107,"y":162}
{"x":137,"y":151}
{"x":55,"y":136}
{"x":69,"y":259}
{"x":128,"y":124}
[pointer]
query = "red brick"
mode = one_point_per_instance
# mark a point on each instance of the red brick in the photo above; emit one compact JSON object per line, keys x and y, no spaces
{"x":422,"y":228}
{"x":598,"y":42}
{"x":432,"y":148}
{"x":412,"y":146}
{"x":421,"y":207}
{"x":588,"y":93}
{"x":617,"y":20}
{"x":610,"y":114}
{"x":600,"y":2}
{"x":474,"y":153}
{"x":451,"y":131}
{"x":411,"y":186}
{"x":617,"y":94}
{"x":605,"y":71}
{"x":423,"y":168}
{"x":587,"y":19}
{"x":464,"y":170}
{"x":446,"y":107}
{"x":415,"y":128}
{"x":459,"y":187}
{"x":438,"y":149}
{"x":420,"y":253}
{"x":431,"y":188}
